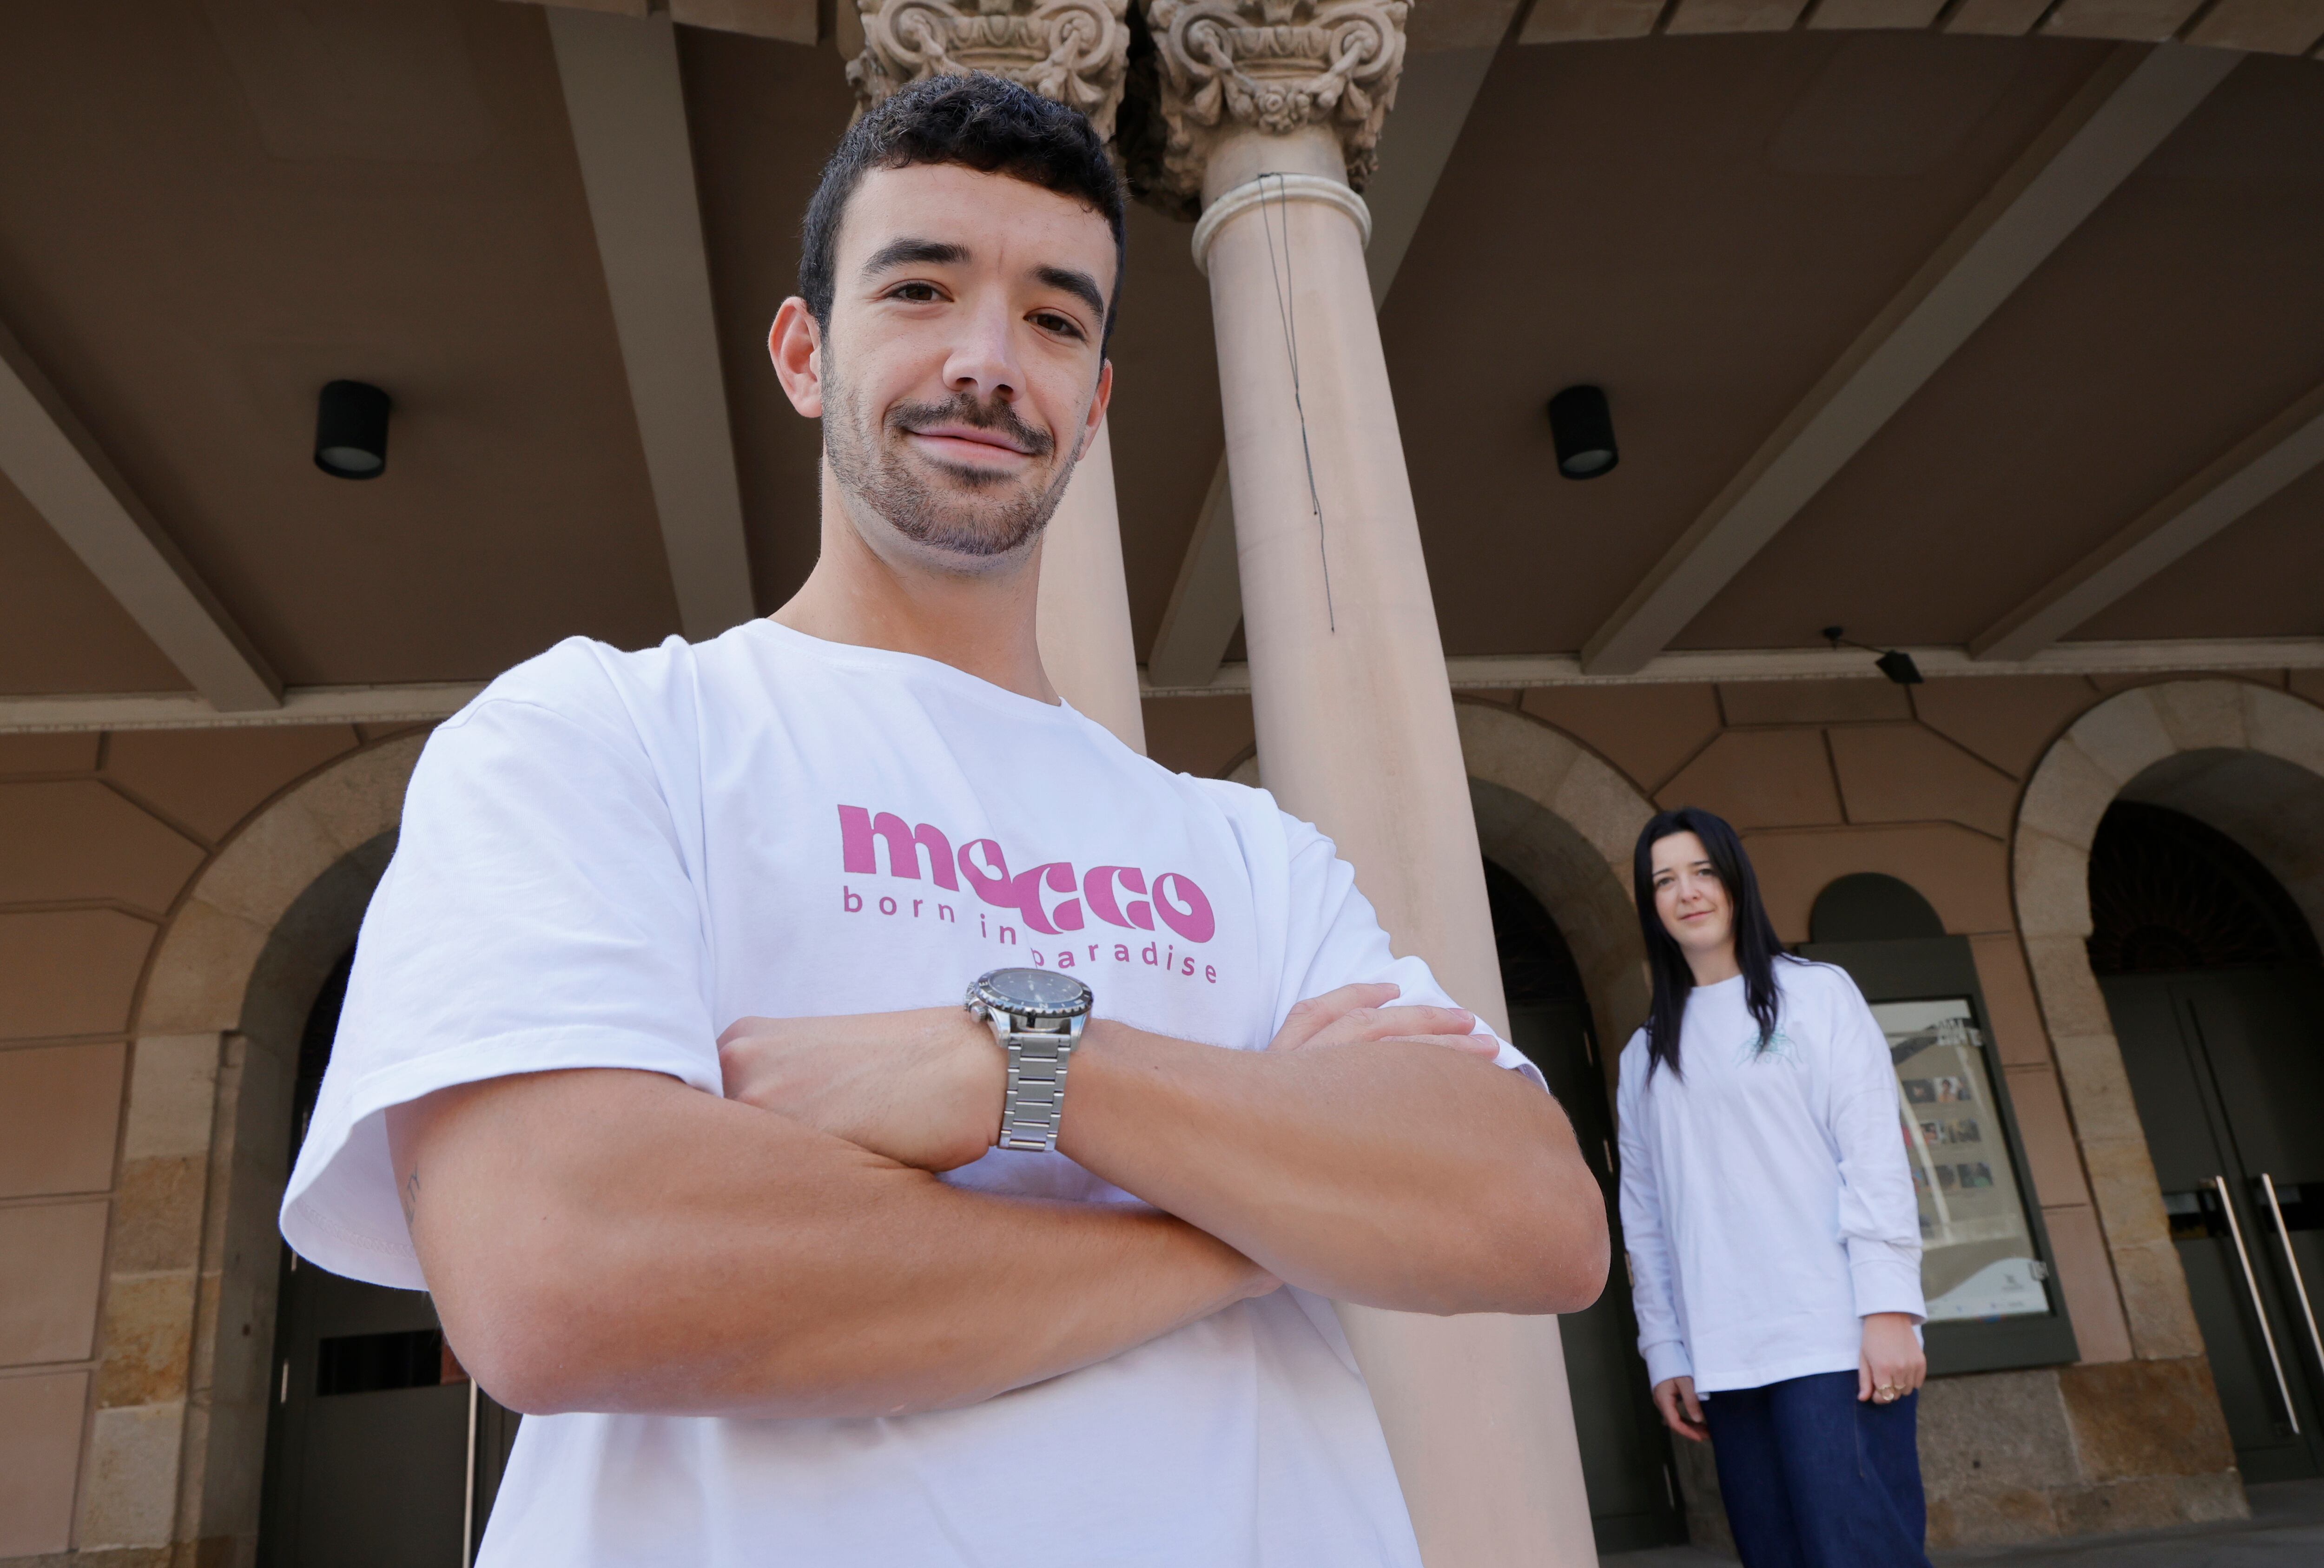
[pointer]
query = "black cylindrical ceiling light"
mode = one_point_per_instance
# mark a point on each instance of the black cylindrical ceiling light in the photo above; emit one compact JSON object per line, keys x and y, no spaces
{"x":351,"y":430}
{"x":1582,"y":426}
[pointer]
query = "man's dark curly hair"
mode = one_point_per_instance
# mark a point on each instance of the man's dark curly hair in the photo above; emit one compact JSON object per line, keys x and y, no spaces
{"x":985,"y":123}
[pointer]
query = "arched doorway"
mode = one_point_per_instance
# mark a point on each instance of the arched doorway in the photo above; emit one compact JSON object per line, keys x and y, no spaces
{"x":2212,"y":977}
{"x":380,"y":1449}
{"x":1625,"y":1459}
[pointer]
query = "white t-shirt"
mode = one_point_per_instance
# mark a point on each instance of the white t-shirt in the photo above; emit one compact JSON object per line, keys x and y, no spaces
{"x":1767,"y":1200}
{"x":608,"y":857}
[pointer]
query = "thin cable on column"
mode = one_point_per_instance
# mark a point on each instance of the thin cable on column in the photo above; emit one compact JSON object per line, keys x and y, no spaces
{"x":1286,"y":311}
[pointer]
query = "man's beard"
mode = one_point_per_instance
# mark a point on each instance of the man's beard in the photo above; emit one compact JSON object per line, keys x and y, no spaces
{"x":878,"y":473}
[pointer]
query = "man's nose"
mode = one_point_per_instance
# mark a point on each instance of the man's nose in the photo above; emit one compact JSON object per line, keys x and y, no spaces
{"x":984,"y":362}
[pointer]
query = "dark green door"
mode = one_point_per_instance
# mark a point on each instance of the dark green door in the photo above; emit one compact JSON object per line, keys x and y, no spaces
{"x":368,"y":1441}
{"x":1625,"y":1459}
{"x":380,"y":1452}
{"x":2227,"y":1069}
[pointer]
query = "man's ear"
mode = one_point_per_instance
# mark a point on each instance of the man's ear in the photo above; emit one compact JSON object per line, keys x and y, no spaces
{"x":1098,"y":405}
{"x":794,"y":343}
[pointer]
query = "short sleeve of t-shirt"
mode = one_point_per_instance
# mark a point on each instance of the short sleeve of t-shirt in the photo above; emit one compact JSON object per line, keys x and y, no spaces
{"x":1331,"y":935}
{"x":525,"y":924}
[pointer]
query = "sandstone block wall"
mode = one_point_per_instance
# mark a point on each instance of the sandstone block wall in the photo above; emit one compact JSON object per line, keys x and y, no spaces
{"x":129,"y":1083}
{"x":107,"y":1134}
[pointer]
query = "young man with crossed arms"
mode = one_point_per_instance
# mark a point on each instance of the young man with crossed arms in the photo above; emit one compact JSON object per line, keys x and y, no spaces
{"x":655,"y":1069}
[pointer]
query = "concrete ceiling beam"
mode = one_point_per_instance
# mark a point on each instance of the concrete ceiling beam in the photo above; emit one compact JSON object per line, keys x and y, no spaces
{"x":1206,"y":602}
{"x":790,"y":21}
{"x":1433,"y":100}
{"x":2121,"y":115}
{"x":1524,"y":672}
{"x":51,"y":458}
{"x":422,"y":703}
{"x":627,"y":107}
{"x":429,"y":702}
{"x":2280,"y":451}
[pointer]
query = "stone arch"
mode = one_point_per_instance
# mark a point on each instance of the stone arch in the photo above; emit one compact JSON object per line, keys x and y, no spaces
{"x":1872,"y":906}
{"x":1563,"y":821}
{"x":2273,"y":808}
{"x":216,"y":1045}
{"x":2198,"y":745}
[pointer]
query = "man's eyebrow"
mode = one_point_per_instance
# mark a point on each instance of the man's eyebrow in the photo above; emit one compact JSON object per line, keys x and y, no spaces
{"x":905,"y":252}
{"x":909,"y":251}
{"x":1080,"y":285}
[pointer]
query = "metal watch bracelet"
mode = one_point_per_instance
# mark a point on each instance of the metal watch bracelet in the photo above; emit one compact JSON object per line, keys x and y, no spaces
{"x":1035,"y":1101}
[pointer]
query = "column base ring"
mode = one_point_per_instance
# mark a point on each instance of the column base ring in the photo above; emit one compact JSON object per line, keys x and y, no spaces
{"x":1266,"y":188}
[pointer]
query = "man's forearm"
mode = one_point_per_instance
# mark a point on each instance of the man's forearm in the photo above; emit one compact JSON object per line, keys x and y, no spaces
{"x":1387,"y":1173}
{"x":1371,"y":1153}
{"x":610,"y":1240}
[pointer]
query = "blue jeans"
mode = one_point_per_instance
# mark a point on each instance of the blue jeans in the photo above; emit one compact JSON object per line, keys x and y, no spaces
{"x":1813,"y":1479}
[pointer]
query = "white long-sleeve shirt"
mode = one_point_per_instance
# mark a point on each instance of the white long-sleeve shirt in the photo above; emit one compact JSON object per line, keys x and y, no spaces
{"x":1767,"y":1200}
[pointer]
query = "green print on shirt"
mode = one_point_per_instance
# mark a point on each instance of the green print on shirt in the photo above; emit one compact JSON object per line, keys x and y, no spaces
{"x":1775,"y":1048}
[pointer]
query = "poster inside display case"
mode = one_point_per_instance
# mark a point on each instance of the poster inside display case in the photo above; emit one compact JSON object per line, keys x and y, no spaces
{"x":1985,"y":1260}
{"x":1978,"y":1257}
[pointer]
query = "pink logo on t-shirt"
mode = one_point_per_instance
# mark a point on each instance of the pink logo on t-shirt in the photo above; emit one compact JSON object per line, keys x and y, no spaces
{"x":1172,"y":896}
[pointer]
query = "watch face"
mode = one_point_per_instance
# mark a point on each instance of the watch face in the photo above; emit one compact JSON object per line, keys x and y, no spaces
{"x":1034,"y":993}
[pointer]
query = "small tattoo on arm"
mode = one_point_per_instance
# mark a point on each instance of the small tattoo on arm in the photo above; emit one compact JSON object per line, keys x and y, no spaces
{"x":411,"y":1197}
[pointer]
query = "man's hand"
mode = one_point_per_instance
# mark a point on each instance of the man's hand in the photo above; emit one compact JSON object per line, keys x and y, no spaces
{"x":1360,"y":1012}
{"x":1891,"y":1363}
{"x":923,"y":1088}
{"x":1674,"y":1398}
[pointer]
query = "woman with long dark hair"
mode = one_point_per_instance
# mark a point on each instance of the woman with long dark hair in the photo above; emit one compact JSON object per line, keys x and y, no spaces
{"x":1767,"y":1207}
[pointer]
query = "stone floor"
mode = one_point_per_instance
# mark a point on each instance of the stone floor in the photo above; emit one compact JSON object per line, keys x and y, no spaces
{"x":2286,"y":1530}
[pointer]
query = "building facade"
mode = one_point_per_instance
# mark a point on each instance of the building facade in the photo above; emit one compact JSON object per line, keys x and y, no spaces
{"x":1982,"y":330}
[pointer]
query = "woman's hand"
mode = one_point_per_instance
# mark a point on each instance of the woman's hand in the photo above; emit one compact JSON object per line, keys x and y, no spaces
{"x":1891,"y":1364}
{"x":1674,"y":1398}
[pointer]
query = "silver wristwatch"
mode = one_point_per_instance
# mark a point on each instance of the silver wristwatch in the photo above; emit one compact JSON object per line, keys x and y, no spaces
{"x":1037,"y":1015}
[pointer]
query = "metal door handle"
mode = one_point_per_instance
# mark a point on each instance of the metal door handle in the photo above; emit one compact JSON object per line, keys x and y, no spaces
{"x":2291,"y":1261}
{"x":468,"y":1509}
{"x":2259,"y":1308}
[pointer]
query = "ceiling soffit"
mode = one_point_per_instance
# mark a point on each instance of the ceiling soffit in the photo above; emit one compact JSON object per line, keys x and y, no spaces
{"x":2121,"y":114}
{"x":1612,"y":216}
{"x":57,"y":465}
{"x":1699,"y":224}
{"x":191,"y":316}
{"x":2179,"y":321}
{"x":59,"y":629}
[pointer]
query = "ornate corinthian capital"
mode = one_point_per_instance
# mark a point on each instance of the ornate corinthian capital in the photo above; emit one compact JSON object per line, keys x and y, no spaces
{"x":1272,"y":65}
{"x":1073,"y":52}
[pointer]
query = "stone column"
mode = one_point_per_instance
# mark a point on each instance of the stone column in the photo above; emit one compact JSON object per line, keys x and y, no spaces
{"x":1083,"y":615}
{"x":1268,"y":110}
{"x":1075,"y":52}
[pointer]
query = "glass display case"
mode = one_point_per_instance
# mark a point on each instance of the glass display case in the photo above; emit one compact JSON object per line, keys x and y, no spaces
{"x":1978,"y":1259}
{"x":1986,"y":1263}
